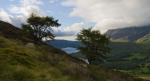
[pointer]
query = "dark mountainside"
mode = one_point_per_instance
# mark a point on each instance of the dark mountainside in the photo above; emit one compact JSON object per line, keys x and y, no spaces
{"x":9,"y":30}
{"x":128,"y":34}
{"x":22,"y":59}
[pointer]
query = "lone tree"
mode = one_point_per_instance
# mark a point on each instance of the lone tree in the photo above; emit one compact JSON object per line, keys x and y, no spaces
{"x":39,"y":27}
{"x":94,"y":45}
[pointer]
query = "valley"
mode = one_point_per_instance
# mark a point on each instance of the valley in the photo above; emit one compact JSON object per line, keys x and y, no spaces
{"x":23,"y":59}
{"x":129,"y":57}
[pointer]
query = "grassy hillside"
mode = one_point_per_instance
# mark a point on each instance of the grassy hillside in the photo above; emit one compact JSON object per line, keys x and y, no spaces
{"x":29,"y":62}
{"x":132,"y":58}
{"x":25,"y":60}
{"x":129,"y":53}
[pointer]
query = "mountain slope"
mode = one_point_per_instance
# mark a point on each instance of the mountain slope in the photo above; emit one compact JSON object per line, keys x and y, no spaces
{"x":128,"y":34}
{"x":28,"y":61}
{"x":145,"y":39}
{"x":9,"y":31}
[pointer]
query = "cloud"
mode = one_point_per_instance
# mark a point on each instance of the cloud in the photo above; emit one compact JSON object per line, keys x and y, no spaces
{"x":23,"y":10}
{"x":110,"y":14}
{"x":26,"y":7}
{"x":5,"y":16}
{"x":18,"y":13}
{"x":15,"y":20}
{"x":53,"y":1}
{"x":69,"y":30}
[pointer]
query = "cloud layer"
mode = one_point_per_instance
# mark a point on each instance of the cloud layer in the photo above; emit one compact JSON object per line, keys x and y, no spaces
{"x":26,"y":7}
{"x":110,"y":14}
{"x":17,"y":14}
{"x":5,"y":16}
{"x":107,"y":14}
{"x":69,"y":30}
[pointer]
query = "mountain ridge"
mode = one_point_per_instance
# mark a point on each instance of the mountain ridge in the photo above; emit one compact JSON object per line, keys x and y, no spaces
{"x":130,"y":34}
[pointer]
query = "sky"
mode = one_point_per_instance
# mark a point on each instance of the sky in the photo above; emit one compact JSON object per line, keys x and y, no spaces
{"x":74,"y":15}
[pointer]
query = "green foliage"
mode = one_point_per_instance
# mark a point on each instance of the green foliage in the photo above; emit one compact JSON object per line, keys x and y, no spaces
{"x":40,"y":27}
{"x":95,"y":45}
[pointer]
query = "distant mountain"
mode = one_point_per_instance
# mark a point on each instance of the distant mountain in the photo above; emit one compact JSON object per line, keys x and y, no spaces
{"x":128,"y":34}
{"x":145,"y":39}
{"x":64,"y":43}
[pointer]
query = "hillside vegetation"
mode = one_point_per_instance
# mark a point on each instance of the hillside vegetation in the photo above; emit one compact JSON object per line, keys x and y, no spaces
{"x":22,"y":59}
{"x":131,"y":58}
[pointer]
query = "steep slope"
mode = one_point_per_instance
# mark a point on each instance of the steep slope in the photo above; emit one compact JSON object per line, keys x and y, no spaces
{"x":128,"y":34}
{"x":10,"y":31}
{"x":28,"y":61}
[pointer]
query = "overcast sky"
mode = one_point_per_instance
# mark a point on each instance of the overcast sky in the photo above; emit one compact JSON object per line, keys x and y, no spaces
{"x":75,"y":15}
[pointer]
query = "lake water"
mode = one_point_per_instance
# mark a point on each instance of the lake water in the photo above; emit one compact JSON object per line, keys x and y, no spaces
{"x":70,"y":50}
